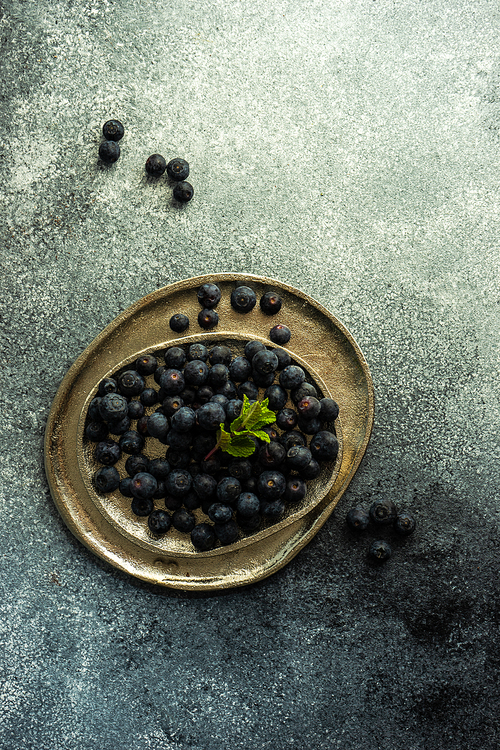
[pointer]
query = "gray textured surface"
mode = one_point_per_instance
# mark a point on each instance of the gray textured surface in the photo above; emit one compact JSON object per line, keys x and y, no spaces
{"x":351,"y":149}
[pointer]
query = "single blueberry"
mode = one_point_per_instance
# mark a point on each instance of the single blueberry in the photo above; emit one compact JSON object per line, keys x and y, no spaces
{"x":155,"y":165}
{"x":205,"y":486}
{"x":178,"y":483}
{"x":309,"y":407}
{"x":292,"y":376}
{"x":379,"y":551}
{"x":183,"y":192}
{"x":183,"y":520}
{"x":286,"y":419}
{"x":136,"y":464}
{"x":125,"y":488}
{"x":209,"y":297}
{"x":109,"y":152}
{"x":107,"y":452}
{"x":198,"y":351}
{"x":113,"y":130}
{"x":210,"y":415}
{"x":296,"y":489}
{"x":135,"y":410}
{"x":119,"y":426}
{"x":233,"y":409}
{"x":171,"y":404}
{"x":177,"y":458}
{"x":248,"y":504}
{"x":157,"y":425}
{"x":178,"y":169}
{"x":329,"y":410}
{"x":113,"y":407}
{"x":148,"y":397}
{"x":309,"y":426}
{"x":207,"y":318}
{"x":265,"y":362}
{"x":175,"y":358}
{"x":280,"y":334}
{"x":227,"y":533}
{"x":251,"y":349}
{"x":249,"y":390}
{"x":243,"y":299}
{"x":273,"y":508}
{"x":298,"y":457}
{"x":220,"y":513}
{"x":143,"y":485}
{"x":383,"y":511}
{"x":179,"y":322}
{"x":218,"y":375}
{"x":93,"y":412}
{"x":277,"y":397}
{"x":159,"y":522}
{"x":159,"y":468}
{"x":131,"y":442}
{"x":270,"y":303}
{"x":271,"y":485}
{"x":183,"y":419}
{"x":142,"y":506}
{"x":358,"y":518}
{"x":146,"y":364}
{"x":292,"y":437}
{"x":228,"y":490}
{"x":324,"y":446}
{"x":196,"y":372}
{"x":108,"y":385}
{"x":262,"y":380}
{"x":405,"y":523}
{"x":107,"y":479}
{"x":312,"y":470}
{"x":220,"y":355}
{"x":203,"y":537}
{"x":305,"y":389}
{"x":96,"y":431}
{"x":240,"y":369}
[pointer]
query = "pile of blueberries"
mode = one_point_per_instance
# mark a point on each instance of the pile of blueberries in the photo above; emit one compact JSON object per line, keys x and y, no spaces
{"x":382,"y":513}
{"x":189,"y":396}
{"x":177,"y":169}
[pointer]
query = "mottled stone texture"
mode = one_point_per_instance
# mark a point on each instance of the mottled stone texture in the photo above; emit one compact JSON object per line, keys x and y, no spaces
{"x":349,"y":148}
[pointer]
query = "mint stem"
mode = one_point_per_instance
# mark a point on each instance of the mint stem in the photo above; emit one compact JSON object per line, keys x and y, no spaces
{"x":211,"y":453}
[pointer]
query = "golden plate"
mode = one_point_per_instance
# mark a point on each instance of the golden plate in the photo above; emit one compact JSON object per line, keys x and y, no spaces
{"x":105,"y":524}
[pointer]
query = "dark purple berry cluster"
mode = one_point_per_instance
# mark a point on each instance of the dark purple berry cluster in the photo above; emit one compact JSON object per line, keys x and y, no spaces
{"x":177,"y":170}
{"x":382,"y":513}
{"x":173,"y":404}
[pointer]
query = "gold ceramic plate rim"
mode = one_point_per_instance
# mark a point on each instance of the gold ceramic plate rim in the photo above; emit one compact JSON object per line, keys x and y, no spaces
{"x":287,"y":538}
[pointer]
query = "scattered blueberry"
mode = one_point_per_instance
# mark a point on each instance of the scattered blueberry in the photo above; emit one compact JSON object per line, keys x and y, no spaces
{"x":405,"y":523}
{"x":207,"y":318}
{"x":179,"y":322}
{"x":383,"y":511}
{"x":109,"y":152}
{"x":358,"y":519}
{"x":107,"y":479}
{"x":243,"y":299}
{"x":178,"y":169}
{"x":379,"y":551}
{"x":270,"y":303}
{"x":159,"y":522}
{"x":280,"y":334}
{"x":183,"y":192}
{"x":155,"y":165}
{"x":113,"y":130}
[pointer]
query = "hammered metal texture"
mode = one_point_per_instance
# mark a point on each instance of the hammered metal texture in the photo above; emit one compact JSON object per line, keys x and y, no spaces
{"x":105,"y":524}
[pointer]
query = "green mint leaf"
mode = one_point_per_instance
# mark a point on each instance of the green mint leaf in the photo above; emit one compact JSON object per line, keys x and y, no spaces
{"x":261,"y":435}
{"x":261,"y":417}
{"x":224,"y":438}
{"x":241,"y":445}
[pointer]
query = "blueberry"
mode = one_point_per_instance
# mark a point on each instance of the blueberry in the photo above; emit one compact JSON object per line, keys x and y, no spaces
{"x":209,"y":416}
{"x":358,"y":518}
{"x":271,"y":455}
{"x":175,"y":358}
{"x":96,"y":431}
{"x":220,"y":513}
{"x":158,"y":373}
{"x":131,"y":383}
{"x":183,"y":192}
{"x":183,"y":520}
{"x":94,"y":412}
{"x":218,"y":375}
{"x":251,"y":349}
{"x":135,"y":410}
{"x":273,"y":508}
{"x":249,"y":390}
{"x":270,"y":303}
{"x":284,"y":359}
{"x":131,"y":442}
{"x":124,"y":486}
{"x":198,"y":351}
{"x":148,"y":397}
{"x":383,"y":511}
{"x":379,"y":551}
{"x":270,"y":430}
{"x":159,"y":522}
{"x":142,"y":506}
{"x":329,"y":410}
{"x":309,"y":426}
{"x":265,"y":362}
{"x":159,"y":468}
{"x":178,"y":459}
{"x":119,"y":426}
{"x":271,"y":485}
{"x":280,"y":334}
{"x":292,"y":376}
{"x":172,"y":381}
{"x":241,"y":468}
{"x":109,"y":152}
{"x":309,"y":407}
{"x":107,"y":479}
{"x":228,"y":390}
{"x":219,"y":398}
{"x":183,"y":419}
{"x":207,"y":318}
{"x":158,"y":425}
{"x":228,"y":490}
{"x":113,"y":130}
{"x":324,"y":446}
{"x":286,"y":419}
{"x":233,"y":409}
{"x":298,"y":457}
{"x":178,"y":169}
{"x":179,"y":440}
{"x":296,"y":489}
{"x":247,"y":504}
{"x":203,"y":537}
{"x":262,"y":380}
{"x":107,"y":452}
{"x":160,"y":491}
{"x":155,"y":165}
{"x":292,"y":437}
{"x":277,"y":397}
{"x":136,"y":464}
{"x":305,"y":389}
{"x":312,"y":470}
{"x":108,"y":385}
{"x":203,"y":442}
{"x":243,"y":299}
{"x":209,"y":297}
{"x":113,"y":407}
{"x":178,"y":483}
{"x":179,"y":322}
{"x":404,"y":523}
{"x":146,"y":364}
{"x":205,"y":486}
{"x":227,"y":533}
{"x":188,"y":396}
{"x":240,"y":369}
{"x":143,"y":485}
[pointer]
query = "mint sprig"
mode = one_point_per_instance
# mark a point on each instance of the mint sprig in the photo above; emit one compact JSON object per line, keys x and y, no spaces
{"x":250,"y":423}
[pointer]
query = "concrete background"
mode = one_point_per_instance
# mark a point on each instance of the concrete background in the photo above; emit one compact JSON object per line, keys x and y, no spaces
{"x":351,"y":149}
